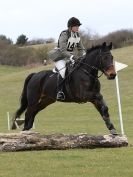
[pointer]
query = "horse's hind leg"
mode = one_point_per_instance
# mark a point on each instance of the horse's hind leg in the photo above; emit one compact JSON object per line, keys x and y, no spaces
{"x":29,"y":118}
{"x":103,"y":110}
{"x":33,"y":110}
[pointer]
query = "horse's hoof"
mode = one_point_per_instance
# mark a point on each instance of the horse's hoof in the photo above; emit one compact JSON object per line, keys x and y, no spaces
{"x":24,"y":129}
{"x":113,"y":132}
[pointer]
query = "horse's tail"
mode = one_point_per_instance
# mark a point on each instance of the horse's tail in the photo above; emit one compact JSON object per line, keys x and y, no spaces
{"x":23,"y":99}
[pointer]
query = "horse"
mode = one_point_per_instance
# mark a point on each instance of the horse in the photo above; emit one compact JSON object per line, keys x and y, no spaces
{"x":81,"y":85}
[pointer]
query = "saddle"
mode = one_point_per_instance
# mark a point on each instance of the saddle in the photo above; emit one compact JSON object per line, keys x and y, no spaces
{"x":69,"y":68}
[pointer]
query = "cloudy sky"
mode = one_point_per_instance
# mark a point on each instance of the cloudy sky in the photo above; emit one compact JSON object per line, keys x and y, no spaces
{"x":47,"y":18}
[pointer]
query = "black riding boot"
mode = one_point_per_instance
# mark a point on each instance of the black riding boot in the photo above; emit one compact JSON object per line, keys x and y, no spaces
{"x":60,"y":94}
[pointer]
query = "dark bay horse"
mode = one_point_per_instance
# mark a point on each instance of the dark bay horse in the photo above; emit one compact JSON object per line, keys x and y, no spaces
{"x":81,"y":86}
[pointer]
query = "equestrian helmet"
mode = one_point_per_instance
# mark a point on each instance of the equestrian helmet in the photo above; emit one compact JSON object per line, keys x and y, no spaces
{"x":73,"y":22}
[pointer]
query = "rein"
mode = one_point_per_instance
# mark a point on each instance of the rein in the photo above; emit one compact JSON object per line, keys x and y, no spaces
{"x":92,"y":67}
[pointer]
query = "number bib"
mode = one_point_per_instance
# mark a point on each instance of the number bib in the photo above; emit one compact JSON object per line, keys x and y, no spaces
{"x":72,"y":42}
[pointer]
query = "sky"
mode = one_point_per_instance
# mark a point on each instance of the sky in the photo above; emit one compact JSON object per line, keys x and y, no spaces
{"x":47,"y":18}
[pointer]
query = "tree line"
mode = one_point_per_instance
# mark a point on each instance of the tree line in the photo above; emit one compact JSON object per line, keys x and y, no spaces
{"x":119,"y":38}
{"x":21,"y":53}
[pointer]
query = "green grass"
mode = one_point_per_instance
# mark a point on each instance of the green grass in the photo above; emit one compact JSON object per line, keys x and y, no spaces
{"x":71,"y":118}
{"x":70,"y":163}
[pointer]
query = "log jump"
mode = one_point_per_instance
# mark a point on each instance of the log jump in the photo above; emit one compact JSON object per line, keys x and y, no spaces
{"x":27,"y":141}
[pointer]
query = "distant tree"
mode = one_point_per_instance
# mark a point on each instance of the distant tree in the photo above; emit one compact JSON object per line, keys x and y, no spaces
{"x":89,"y":37}
{"x":21,"y":40}
{"x":36,"y":41}
{"x":119,"y":38}
{"x":40,"y":41}
{"x":50,"y":40}
{"x":5,"y":39}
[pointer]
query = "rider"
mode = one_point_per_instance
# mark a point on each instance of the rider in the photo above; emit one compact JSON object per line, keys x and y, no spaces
{"x":69,"y":40}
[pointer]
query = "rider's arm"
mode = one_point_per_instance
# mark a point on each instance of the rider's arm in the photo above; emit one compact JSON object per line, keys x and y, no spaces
{"x":63,"y":45}
{"x":81,"y":49}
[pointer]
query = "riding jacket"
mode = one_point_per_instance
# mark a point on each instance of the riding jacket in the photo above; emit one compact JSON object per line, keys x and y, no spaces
{"x":69,"y":44}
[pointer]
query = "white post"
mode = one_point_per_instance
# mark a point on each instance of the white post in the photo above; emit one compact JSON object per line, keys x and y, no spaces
{"x":33,"y":125}
{"x":8,"y":120}
{"x":119,"y":104}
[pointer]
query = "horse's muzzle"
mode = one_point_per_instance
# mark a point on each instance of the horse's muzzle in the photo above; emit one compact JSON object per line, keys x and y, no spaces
{"x":111,"y":77}
{"x":110,"y":73}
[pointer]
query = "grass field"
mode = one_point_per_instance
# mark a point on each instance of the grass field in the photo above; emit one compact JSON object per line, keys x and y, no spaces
{"x":71,"y":118}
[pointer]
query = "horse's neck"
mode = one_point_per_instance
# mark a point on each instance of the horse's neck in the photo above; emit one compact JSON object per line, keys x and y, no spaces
{"x":92,"y":59}
{"x":92,"y":63}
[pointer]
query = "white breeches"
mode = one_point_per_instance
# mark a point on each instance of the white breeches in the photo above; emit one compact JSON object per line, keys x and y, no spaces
{"x":61,"y":66}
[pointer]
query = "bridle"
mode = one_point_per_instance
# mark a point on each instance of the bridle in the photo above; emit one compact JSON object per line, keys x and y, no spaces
{"x":103,"y":69}
{"x":99,"y":59}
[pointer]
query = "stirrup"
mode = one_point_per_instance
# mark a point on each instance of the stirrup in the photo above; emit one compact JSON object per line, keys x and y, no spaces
{"x":60,"y":96}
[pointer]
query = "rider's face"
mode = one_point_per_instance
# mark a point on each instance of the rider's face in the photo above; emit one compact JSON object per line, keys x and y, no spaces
{"x":75,"y":28}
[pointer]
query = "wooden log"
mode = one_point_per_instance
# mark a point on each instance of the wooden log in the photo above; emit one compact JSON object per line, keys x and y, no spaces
{"x":28,"y":140}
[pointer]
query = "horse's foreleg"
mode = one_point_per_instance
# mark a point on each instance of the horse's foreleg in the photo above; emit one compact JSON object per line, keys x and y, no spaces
{"x":101,"y":106}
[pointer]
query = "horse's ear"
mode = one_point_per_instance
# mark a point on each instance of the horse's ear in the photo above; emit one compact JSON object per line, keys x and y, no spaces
{"x":110,"y":45}
{"x":104,"y":45}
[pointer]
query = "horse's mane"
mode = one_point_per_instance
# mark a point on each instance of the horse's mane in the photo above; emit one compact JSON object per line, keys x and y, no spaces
{"x":93,"y":48}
